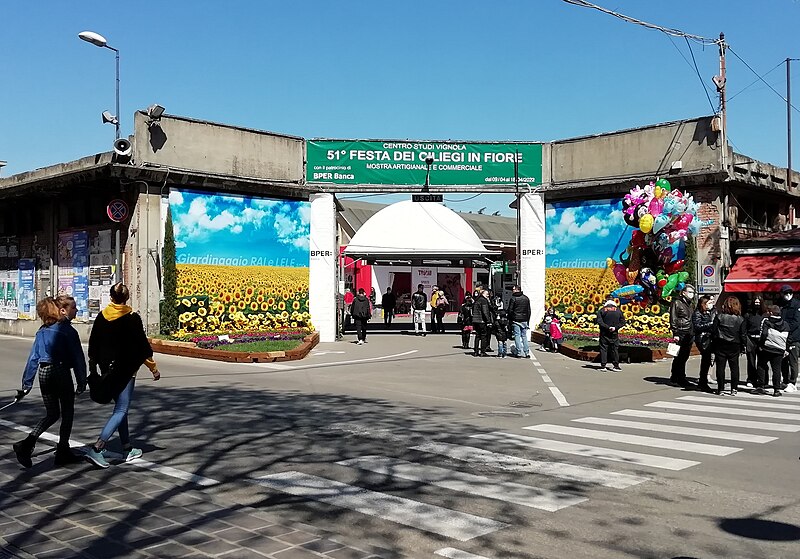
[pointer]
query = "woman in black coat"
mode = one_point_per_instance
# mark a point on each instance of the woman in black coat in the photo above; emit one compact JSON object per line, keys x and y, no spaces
{"x":118,"y":346}
{"x":703,"y":322}
{"x":729,"y":339}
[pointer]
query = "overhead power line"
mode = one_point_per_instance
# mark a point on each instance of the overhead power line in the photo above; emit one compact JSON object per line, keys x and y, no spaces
{"x":755,"y":81}
{"x":623,"y":17}
{"x":697,"y":71}
{"x":761,"y":78}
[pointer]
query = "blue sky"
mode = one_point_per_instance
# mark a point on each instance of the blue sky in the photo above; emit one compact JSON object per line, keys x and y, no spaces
{"x":583,"y":234}
{"x":274,"y":232}
{"x":452,"y":69}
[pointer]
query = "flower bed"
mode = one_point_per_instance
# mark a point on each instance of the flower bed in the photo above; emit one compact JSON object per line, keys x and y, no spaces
{"x":211,"y":342}
{"x":189,"y":348}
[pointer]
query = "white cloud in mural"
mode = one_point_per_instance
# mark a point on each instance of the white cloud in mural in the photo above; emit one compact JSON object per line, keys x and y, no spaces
{"x":551,"y":250}
{"x":175,"y":198}
{"x":577,"y":223}
{"x":180,"y":244}
{"x":262,"y":225}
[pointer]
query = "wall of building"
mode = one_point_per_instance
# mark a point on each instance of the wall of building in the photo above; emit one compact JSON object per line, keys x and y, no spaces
{"x":640,"y":152}
{"x":217,"y":149}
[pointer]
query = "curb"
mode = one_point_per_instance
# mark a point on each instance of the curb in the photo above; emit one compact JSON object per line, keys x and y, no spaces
{"x":188,"y":349}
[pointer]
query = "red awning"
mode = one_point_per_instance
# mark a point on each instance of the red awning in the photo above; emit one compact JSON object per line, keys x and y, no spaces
{"x":754,"y":274}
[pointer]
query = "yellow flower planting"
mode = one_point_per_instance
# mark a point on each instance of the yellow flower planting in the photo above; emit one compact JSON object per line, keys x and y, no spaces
{"x":219,"y":299}
{"x":578,"y":293}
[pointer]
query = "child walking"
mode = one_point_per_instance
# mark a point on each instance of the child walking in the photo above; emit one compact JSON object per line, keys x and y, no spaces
{"x":556,"y":335}
{"x":465,"y":320}
{"x":501,"y":327}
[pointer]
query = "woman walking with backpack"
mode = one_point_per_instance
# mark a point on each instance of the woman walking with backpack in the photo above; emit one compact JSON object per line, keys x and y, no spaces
{"x":730,"y":340}
{"x":773,"y":345}
{"x":118,"y":346}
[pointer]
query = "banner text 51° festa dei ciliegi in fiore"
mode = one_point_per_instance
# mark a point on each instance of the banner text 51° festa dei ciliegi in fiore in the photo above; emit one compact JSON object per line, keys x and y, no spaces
{"x":403,"y":162}
{"x":242,"y":262}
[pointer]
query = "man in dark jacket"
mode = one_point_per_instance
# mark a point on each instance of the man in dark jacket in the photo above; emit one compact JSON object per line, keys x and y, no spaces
{"x":388,"y":302}
{"x":790,"y":313}
{"x":481,"y":323}
{"x":419,"y":303}
{"x":519,"y":313}
{"x":680,"y":321}
{"x":610,"y":321}
{"x":361,"y":309}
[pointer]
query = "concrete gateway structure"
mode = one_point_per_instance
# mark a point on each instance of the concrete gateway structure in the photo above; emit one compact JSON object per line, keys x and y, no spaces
{"x":55,"y":231}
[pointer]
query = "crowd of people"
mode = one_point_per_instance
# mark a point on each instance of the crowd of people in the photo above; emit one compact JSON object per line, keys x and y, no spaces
{"x":117,"y":347}
{"x":769,"y":336}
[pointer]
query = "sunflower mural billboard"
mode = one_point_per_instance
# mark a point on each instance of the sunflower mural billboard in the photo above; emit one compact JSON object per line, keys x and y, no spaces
{"x":242,"y":263}
{"x":583,"y":238}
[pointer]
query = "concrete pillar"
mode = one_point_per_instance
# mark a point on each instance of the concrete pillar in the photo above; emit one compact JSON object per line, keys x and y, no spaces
{"x":532,"y":252}
{"x":143,"y":250}
{"x":322,"y":266}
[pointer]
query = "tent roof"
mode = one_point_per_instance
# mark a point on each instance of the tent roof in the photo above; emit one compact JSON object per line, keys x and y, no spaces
{"x":491,"y":229}
{"x":764,"y":273}
{"x":416,"y":230}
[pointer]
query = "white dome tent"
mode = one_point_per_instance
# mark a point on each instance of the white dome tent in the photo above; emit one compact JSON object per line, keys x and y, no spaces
{"x":417,"y":231}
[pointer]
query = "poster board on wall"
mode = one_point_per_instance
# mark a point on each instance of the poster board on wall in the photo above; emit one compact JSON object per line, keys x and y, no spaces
{"x":73,"y":268}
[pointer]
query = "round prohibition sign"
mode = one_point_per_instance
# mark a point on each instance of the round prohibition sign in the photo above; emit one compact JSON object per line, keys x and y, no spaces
{"x":708,"y":271}
{"x":117,"y":210}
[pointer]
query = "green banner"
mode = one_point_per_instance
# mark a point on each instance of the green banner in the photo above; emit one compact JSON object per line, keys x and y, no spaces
{"x":403,"y":162}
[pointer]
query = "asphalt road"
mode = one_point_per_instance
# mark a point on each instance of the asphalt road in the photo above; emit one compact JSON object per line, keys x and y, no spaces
{"x":411,"y":446}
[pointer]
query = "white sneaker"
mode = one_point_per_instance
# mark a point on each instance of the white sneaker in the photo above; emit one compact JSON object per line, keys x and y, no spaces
{"x":790,"y":387}
{"x":360,"y":342}
{"x":749,"y":384}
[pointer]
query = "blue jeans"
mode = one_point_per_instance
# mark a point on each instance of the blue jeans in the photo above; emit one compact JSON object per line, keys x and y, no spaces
{"x":521,"y":338}
{"x":119,"y":419}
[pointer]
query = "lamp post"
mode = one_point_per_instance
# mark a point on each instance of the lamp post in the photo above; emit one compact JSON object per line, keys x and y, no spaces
{"x":100,"y":41}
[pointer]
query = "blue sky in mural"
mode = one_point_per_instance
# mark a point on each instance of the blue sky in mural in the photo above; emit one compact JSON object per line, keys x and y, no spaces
{"x":583,"y":234}
{"x":239,"y":230}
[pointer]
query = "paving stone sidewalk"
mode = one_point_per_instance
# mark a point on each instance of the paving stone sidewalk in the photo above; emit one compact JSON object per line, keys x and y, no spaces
{"x":79,"y":511}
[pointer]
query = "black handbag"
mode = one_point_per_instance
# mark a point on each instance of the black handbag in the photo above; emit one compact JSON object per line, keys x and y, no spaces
{"x":98,"y":388}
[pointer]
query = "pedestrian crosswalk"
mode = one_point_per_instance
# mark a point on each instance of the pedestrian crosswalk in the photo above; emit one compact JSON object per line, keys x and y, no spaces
{"x":551,"y":471}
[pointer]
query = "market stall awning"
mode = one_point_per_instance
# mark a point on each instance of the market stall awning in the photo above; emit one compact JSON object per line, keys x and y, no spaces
{"x":764,"y":273}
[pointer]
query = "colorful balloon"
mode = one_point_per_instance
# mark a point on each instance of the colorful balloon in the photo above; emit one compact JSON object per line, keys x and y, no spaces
{"x":627,"y":291}
{"x":646,"y":223}
{"x":620,"y":273}
{"x":660,"y":222}
{"x":664,"y":184}
{"x":655,"y":207}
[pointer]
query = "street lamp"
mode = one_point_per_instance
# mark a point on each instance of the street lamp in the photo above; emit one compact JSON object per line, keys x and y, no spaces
{"x":100,"y":41}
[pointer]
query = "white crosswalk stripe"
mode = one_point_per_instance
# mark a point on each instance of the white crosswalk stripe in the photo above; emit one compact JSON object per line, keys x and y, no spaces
{"x":672,"y":427}
{"x":430,"y":518}
{"x":750,"y":402}
{"x":561,"y":470}
{"x":600,"y":453}
{"x":726,"y":410}
{"x":453,"y":553}
{"x":525,"y":495}
{"x":708,"y":420}
{"x":677,"y":429}
{"x":638,"y":440}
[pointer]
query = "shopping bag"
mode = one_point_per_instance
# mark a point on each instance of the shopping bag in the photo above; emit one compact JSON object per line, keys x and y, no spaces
{"x":673,"y":349}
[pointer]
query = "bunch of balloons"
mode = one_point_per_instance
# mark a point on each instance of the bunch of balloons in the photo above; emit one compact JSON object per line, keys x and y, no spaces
{"x":652,"y":265}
